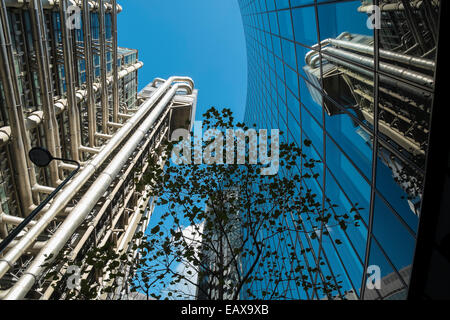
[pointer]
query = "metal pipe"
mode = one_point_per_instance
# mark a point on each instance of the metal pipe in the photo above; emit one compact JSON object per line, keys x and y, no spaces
{"x":36,"y":117}
{"x":111,"y":196}
{"x":115,"y":83}
{"x":403,"y":73}
{"x":13,"y":102}
{"x":35,"y":248}
{"x":398,"y":6}
{"x":423,"y":94}
{"x":322,"y":43}
{"x":74,"y":115}
{"x":131,"y":229}
{"x":50,"y":123}
{"x":51,"y":4}
{"x":432,"y":19}
{"x":412,"y":25}
{"x":24,"y":224}
{"x":87,"y":43}
{"x":67,"y":166}
{"x":78,"y":182}
{"x":3,"y":228}
{"x":103,"y":71}
{"x":6,"y":218}
{"x":125,"y":116}
{"x":86,"y":204}
{"x":5,"y":135}
{"x":399,"y":57}
{"x":103,"y":136}
{"x":3,"y":293}
{"x":395,"y":135}
{"x":157,"y":81}
{"x":115,"y":125}
{"x":21,"y":120}
{"x":89,"y":150}
{"x":42,"y":189}
{"x":130,"y":69}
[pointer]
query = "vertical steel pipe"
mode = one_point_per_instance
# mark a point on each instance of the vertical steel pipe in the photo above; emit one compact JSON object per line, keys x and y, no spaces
{"x":114,"y":62}
{"x":44,"y":75}
{"x":87,"y":43}
{"x":104,"y":89}
{"x":70,"y":83}
{"x":14,"y":107}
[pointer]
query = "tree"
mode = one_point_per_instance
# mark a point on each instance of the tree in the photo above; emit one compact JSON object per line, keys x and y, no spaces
{"x":220,"y":220}
{"x":216,"y":236}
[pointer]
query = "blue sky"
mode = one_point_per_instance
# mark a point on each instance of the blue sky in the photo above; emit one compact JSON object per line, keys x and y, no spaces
{"x":203,"y":39}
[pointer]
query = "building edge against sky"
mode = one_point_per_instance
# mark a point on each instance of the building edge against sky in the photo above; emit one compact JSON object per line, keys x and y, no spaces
{"x":364,"y":97}
{"x":74,"y":92}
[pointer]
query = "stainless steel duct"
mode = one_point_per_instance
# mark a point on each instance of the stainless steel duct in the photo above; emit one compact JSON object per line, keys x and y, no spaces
{"x":400,"y":72}
{"x":83,"y":176}
{"x":387,"y":54}
{"x":106,"y":205}
{"x":422,"y":94}
{"x":85,"y":205}
{"x":410,"y":75}
{"x":157,"y":81}
{"x":316,"y":48}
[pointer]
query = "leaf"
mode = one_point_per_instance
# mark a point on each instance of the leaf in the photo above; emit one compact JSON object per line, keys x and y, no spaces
{"x":155,"y":229}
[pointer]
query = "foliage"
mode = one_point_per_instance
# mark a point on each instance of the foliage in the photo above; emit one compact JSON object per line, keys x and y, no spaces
{"x":221,"y":221}
{"x":219,"y":229}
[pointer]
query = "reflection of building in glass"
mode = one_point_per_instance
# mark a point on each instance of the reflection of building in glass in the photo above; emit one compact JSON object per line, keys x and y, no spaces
{"x":403,"y":110}
{"x":364,"y":98}
{"x":389,"y":288}
{"x":74,"y":92}
{"x":409,"y":27}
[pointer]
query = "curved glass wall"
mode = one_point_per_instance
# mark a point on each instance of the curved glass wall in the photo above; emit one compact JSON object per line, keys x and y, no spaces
{"x":358,"y":81}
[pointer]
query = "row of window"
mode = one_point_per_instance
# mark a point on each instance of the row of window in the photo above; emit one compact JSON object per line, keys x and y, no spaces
{"x":287,"y":93}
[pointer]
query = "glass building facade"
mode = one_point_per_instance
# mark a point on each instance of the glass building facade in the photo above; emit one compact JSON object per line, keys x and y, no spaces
{"x":358,"y":82}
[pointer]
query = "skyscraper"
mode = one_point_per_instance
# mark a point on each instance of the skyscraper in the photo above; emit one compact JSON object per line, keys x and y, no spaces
{"x":68,"y":87}
{"x":217,"y":253}
{"x":358,"y":82}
